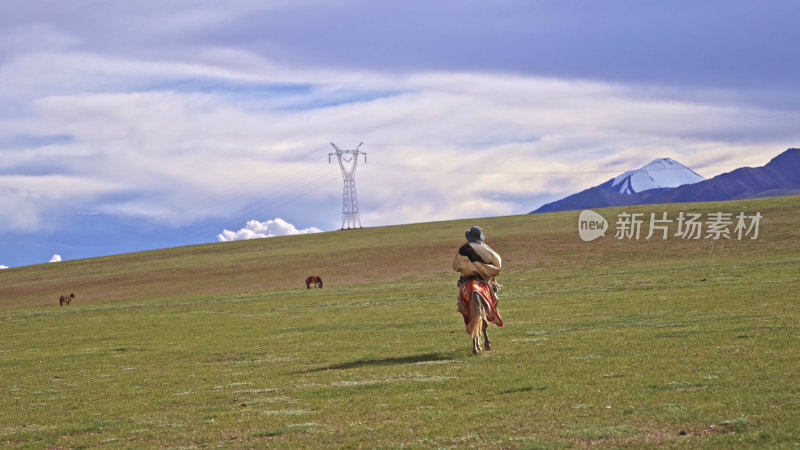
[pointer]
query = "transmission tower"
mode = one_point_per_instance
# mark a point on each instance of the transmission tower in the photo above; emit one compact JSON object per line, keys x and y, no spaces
{"x":348,"y":160}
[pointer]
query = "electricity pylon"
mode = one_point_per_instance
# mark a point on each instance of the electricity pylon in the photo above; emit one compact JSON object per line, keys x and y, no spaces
{"x":350,"y":218}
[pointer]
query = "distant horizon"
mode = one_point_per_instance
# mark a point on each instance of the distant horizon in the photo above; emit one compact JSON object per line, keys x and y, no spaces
{"x":57,"y":258}
{"x":282,"y":228}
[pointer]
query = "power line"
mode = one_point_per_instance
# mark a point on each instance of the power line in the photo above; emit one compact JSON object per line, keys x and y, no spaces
{"x":380,"y":166}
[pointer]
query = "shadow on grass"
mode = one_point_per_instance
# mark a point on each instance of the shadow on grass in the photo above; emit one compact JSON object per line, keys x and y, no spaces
{"x":413,"y":359}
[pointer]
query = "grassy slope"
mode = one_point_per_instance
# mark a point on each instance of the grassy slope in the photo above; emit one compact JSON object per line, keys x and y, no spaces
{"x":614,"y":342}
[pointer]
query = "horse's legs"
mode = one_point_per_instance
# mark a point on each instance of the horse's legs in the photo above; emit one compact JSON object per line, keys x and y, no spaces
{"x":476,"y":308}
{"x":486,"y":336}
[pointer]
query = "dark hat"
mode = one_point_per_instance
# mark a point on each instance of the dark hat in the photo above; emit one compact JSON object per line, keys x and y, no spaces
{"x":475,"y":234}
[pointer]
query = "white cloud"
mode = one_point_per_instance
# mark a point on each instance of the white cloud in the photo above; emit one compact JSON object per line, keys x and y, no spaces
{"x":3,"y":267}
{"x":256,"y":229}
{"x":447,"y":144}
{"x":55,"y":258}
{"x":179,"y":137}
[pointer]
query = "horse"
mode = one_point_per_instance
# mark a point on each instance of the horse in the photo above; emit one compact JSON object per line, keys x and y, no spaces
{"x":477,"y":305}
{"x":65,"y":299}
{"x":315,"y":280}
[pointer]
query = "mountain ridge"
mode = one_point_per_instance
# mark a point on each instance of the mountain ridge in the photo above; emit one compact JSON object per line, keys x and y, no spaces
{"x":780,"y":176}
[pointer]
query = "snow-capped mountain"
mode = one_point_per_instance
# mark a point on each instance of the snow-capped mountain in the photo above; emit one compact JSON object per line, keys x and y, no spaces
{"x":659,"y":173}
{"x":667,"y":181}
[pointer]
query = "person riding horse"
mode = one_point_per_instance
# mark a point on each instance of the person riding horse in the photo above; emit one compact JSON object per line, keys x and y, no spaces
{"x":478,"y":265}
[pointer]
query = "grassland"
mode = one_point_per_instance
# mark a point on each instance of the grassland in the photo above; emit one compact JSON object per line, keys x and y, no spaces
{"x":612,"y":343}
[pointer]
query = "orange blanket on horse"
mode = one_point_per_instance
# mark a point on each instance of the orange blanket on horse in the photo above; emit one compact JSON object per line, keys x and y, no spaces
{"x":492,"y":314}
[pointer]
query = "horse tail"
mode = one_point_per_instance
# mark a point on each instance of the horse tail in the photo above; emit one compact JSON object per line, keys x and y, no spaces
{"x":477,"y":315}
{"x":319,"y":280}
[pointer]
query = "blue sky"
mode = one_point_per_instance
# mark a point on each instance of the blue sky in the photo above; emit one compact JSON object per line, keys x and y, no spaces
{"x":127,"y":126}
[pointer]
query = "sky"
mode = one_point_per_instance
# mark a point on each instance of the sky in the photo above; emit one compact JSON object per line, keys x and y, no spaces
{"x":128,"y":126}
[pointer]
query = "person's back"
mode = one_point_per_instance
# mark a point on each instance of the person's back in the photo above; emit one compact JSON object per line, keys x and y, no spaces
{"x":478,"y":265}
{"x":475,"y":259}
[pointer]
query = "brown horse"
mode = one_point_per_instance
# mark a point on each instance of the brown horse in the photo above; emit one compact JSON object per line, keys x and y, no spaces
{"x":65,"y":299}
{"x":315,"y":280}
{"x":477,"y":305}
{"x":478,"y":322}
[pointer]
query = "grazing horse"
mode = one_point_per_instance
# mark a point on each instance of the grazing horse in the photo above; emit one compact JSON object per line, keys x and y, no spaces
{"x":477,"y":307}
{"x":65,"y":299}
{"x":315,"y":280}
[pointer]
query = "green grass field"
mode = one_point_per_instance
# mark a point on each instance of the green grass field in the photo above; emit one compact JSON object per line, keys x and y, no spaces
{"x":611,"y":343}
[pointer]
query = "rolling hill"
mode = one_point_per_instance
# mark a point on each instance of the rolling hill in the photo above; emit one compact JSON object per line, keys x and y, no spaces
{"x":371,"y":255}
{"x":611,"y":343}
